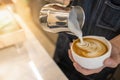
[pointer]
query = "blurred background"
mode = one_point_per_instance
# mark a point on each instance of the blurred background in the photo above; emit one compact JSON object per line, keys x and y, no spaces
{"x":29,"y":10}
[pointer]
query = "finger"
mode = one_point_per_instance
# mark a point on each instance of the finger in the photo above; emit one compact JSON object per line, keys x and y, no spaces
{"x":86,"y":71}
{"x":110,"y":63}
{"x":70,"y":55}
{"x":66,"y":2}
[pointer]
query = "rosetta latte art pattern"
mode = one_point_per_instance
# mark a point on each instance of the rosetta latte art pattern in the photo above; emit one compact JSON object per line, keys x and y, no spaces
{"x":91,"y":48}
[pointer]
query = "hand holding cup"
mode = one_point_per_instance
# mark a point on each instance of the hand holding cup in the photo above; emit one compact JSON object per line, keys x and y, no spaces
{"x":93,"y":54}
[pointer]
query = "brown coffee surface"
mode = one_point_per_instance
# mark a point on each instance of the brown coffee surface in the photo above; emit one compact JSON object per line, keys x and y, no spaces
{"x":91,"y":48}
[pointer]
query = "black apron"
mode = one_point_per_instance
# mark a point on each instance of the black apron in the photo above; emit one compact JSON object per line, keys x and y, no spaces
{"x":102,"y":18}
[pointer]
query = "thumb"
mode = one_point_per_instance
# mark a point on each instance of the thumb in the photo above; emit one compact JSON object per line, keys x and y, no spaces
{"x":110,"y":63}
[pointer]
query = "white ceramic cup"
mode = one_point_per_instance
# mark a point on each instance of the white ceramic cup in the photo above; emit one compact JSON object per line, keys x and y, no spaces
{"x":96,"y":62}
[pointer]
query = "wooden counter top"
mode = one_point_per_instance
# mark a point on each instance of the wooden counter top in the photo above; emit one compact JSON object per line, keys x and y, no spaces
{"x":28,"y":60}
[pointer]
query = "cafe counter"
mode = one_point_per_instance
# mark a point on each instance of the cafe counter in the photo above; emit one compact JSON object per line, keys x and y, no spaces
{"x":28,"y":60}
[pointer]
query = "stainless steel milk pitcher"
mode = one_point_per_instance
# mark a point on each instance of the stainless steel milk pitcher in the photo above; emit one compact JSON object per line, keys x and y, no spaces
{"x":54,"y":17}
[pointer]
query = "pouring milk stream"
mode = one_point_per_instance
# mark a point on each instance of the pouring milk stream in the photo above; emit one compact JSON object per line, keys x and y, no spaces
{"x":74,"y":25}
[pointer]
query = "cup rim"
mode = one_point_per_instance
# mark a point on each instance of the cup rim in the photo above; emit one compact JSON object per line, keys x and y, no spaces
{"x":96,"y":37}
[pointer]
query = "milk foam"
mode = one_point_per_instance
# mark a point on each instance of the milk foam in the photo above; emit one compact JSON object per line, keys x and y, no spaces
{"x":91,"y":48}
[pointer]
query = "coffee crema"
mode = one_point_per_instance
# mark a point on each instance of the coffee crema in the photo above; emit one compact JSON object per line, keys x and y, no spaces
{"x":90,"y":49}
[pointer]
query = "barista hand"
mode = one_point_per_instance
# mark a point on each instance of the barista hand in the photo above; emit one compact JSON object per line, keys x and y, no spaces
{"x":65,"y":2}
{"x":112,"y":62}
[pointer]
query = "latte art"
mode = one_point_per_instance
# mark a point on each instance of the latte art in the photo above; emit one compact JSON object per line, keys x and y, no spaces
{"x":91,"y":48}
